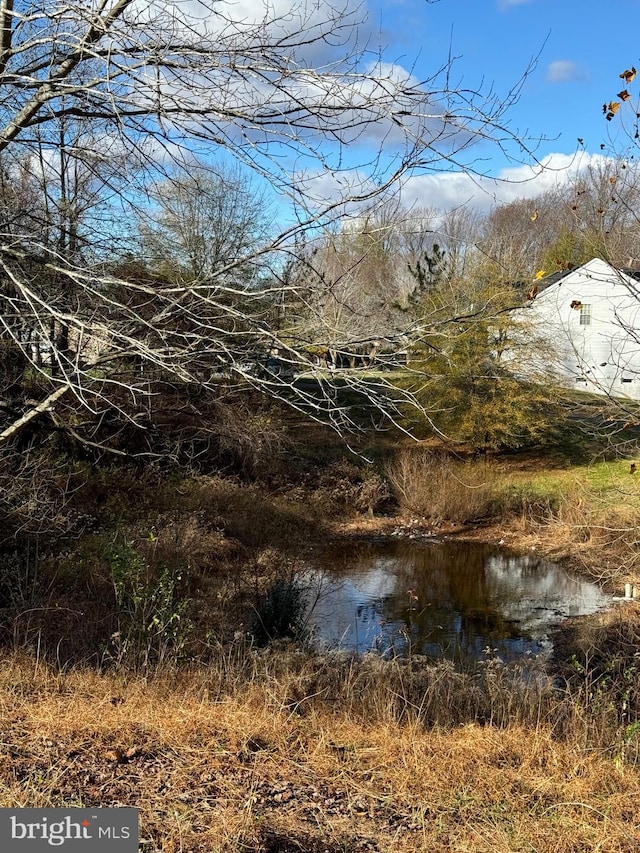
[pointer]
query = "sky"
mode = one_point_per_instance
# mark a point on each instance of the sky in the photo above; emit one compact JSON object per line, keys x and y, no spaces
{"x":577,"y":49}
{"x":564,"y":58}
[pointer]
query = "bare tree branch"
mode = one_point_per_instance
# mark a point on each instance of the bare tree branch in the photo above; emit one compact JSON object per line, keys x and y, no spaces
{"x":117,"y":116}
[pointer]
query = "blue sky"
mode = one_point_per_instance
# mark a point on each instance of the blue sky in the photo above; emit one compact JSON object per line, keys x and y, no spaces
{"x":574,"y":51}
{"x":579,"y":47}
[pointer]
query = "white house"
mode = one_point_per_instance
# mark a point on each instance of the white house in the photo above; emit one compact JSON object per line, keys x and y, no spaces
{"x":590,"y":316}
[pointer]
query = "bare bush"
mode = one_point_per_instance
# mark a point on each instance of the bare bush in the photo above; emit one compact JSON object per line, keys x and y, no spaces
{"x":437,"y":487}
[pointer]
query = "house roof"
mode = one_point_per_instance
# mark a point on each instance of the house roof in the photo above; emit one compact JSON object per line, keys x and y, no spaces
{"x":543,"y":283}
{"x":553,"y":278}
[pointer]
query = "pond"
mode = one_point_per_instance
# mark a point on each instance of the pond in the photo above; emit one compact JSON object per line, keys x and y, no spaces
{"x":441,"y":598}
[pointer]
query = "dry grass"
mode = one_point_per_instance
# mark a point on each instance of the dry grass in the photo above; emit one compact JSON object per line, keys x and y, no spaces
{"x":282,"y":751}
{"x":243,"y":770}
{"x":433,"y":485}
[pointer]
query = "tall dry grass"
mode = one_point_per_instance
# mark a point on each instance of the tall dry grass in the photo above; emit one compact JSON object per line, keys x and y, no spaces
{"x":402,"y":690}
{"x":438,"y":486}
{"x":604,"y":539}
{"x":263,"y":753}
{"x":594,"y":524}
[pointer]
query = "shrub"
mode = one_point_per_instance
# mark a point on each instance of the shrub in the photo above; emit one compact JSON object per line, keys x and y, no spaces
{"x":440,"y":488}
{"x":344,"y":489}
{"x":152,"y":614}
{"x":280,"y":613}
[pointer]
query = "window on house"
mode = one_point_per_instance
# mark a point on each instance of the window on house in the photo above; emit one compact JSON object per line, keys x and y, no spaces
{"x":585,"y":315}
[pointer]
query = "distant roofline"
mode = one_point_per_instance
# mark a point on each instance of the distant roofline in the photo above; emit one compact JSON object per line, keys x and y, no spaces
{"x":553,"y":278}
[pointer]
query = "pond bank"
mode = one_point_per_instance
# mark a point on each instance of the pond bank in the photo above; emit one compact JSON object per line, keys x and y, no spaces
{"x":591,"y":561}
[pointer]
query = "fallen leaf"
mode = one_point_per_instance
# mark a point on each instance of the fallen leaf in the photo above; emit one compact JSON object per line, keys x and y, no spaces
{"x":114,"y":755}
{"x":121,"y":756}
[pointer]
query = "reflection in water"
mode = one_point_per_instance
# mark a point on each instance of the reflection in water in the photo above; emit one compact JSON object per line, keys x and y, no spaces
{"x":441,"y":599}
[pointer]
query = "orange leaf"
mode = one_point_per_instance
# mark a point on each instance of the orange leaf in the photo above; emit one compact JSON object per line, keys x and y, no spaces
{"x":614,"y":106}
{"x":114,"y":755}
{"x":624,"y":95}
{"x":628,"y":74}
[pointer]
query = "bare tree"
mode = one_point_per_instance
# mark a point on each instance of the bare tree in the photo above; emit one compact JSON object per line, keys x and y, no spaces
{"x":601,"y":205}
{"x":515,"y":236}
{"x":157,"y":87}
{"x":203,"y":222}
{"x":355,"y":280}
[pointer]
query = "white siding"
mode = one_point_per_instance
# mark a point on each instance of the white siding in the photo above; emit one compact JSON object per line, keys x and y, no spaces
{"x":600,"y":354}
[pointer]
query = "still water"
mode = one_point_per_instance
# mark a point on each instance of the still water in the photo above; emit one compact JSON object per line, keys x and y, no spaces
{"x":442,"y":599}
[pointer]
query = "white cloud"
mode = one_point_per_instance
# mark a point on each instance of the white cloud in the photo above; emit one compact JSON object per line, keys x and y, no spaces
{"x":449,"y":190}
{"x":566,"y":71}
{"x":320,"y":190}
{"x":314,"y":32}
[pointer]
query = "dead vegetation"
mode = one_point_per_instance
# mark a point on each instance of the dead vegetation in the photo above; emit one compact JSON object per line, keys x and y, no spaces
{"x":158,"y":698}
{"x":586,"y":515}
{"x":220,"y":769}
